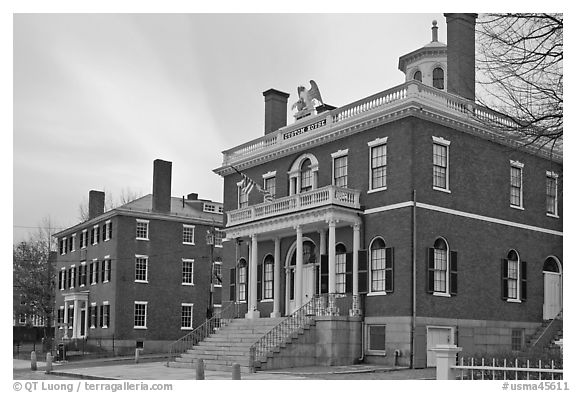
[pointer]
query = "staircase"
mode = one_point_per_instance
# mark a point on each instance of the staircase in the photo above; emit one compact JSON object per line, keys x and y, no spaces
{"x":546,"y":335}
{"x":230,"y":344}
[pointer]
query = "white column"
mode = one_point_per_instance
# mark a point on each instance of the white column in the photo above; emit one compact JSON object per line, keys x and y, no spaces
{"x":253,"y":277}
{"x":86,"y":327}
{"x":299,"y":267}
{"x":332,"y":256}
{"x":322,"y":241}
{"x":276,"y":309}
{"x":65,"y":319}
{"x":75,"y":319}
{"x":355,"y":311}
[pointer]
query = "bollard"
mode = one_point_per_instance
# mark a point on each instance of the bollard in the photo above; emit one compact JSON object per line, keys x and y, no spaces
{"x":33,"y":365}
{"x":137,"y":356}
{"x":236,"y":371}
{"x":48,"y":363}
{"x":200,"y":369}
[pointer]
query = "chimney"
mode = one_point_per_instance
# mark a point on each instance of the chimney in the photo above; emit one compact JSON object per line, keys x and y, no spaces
{"x":95,"y":204}
{"x":461,"y":59}
{"x":192,"y":196}
{"x":275,"y":108}
{"x":162,"y":186}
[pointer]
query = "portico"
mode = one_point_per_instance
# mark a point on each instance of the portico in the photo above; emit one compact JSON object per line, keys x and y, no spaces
{"x":77,"y":304}
{"x":321,"y":212}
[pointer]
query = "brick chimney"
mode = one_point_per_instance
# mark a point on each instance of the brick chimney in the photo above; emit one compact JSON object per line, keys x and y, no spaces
{"x":275,"y":109}
{"x":461,"y":54}
{"x":95,"y":203}
{"x":162,"y":186}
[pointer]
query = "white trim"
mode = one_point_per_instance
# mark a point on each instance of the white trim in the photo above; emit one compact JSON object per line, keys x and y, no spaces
{"x":339,"y":153}
{"x":376,"y":190}
{"x":142,"y":221}
{"x":443,"y":294}
{"x":552,"y":174}
{"x":517,"y":207}
{"x":379,"y":293}
{"x":514,"y":300}
{"x":441,"y":141}
{"x":266,"y":300}
{"x":145,"y":303}
{"x":442,"y":189}
{"x":193,"y":234}
{"x":378,"y":141}
{"x":552,"y":215}
{"x":269,"y":174}
{"x":517,"y":164}
{"x":437,"y":140}
{"x":73,"y":238}
{"x":389,"y":207}
{"x":520,"y":166}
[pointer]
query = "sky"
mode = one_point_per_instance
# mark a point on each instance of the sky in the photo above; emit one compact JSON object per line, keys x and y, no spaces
{"x":98,"y":97}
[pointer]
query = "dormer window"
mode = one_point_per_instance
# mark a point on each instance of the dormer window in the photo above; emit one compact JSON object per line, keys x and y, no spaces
{"x":438,"y":78}
{"x":418,"y":76}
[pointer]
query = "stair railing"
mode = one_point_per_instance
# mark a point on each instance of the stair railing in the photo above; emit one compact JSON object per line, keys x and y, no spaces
{"x":291,"y":324}
{"x":545,"y":331}
{"x":220,"y":319}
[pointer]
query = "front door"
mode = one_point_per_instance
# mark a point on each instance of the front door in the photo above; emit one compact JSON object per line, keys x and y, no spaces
{"x":552,"y":295}
{"x":309,"y":283}
{"x":435,"y":336}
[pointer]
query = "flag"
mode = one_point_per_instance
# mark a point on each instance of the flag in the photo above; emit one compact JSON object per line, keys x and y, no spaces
{"x":248,"y":184}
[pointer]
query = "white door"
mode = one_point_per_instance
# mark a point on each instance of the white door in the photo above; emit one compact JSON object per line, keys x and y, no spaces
{"x":435,"y":336}
{"x":290,"y":291}
{"x":552,"y":295}
{"x":309,"y":283}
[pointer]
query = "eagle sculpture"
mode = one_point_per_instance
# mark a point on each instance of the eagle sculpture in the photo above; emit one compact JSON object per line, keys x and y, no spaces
{"x":308,"y":99}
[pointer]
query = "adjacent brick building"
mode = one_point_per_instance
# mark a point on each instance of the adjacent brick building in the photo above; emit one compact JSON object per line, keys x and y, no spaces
{"x":143,"y":274}
{"x":408,"y":208}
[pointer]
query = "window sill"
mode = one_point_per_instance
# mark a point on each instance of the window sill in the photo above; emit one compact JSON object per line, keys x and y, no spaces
{"x":141,"y":281}
{"x":140,"y":327}
{"x":552,"y":215}
{"x":94,"y":244}
{"x":376,"y":294}
{"x":266,"y":300}
{"x":376,"y":190}
{"x":189,"y":244}
{"x":142,"y":238}
{"x":186,"y":328}
{"x":447,"y":191}
{"x":105,"y":281}
{"x":105,"y":327}
{"x":92,"y":327}
{"x":514,"y":300}
{"x":441,"y":294}
{"x":516,"y":207}
{"x":188,"y":284}
{"x":217,"y":285}
{"x":375,"y":353}
{"x":218,"y":246}
{"x":241,"y":302}
{"x":106,"y":240}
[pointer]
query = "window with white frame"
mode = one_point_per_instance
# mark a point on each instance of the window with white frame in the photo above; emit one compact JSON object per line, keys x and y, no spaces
{"x":84,"y":238}
{"x":438,"y":78}
{"x":188,"y":234}
{"x":511,"y":276}
{"x":306,"y":175}
{"x":83,"y":274}
{"x":187,"y":272}
{"x":95,"y":235}
{"x":107,"y":230}
{"x":242,"y":197}
{"x":141,"y":268}
{"x":340,"y":168}
{"x":270,"y":185}
{"x":378,"y":163}
{"x":187,"y":319}
{"x":376,"y":338}
{"x":209,"y":208}
{"x":69,"y":245}
{"x":142,"y":227}
{"x":268,"y":287}
{"x":440,"y":266}
{"x":516,"y":197}
{"x":73,"y":245}
{"x":106,"y":269}
{"x":218,"y":236}
{"x":377,"y":266}
{"x":72,"y":276}
{"x":340,"y":268}
{"x":242,"y":280}
{"x":94,"y":271}
{"x":93,"y":314}
{"x":140,"y":311}
{"x":217,"y":273}
{"x":440,"y":164}
{"x":62,"y":246}
{"x":105,"y":315}
{"x":551,"y":193}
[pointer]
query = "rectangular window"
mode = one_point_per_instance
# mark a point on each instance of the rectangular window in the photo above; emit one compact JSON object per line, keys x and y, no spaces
{"x":72,"y":276}
{"x":512,"y":279}
{"x":140,"y":314}
{"x":95,"y":235}
{"x":187,"y":271}
{"x":105,"y":315}
{"x":218,"y":236}
{"x":60,"y":316}
{"x":242,"y":283}
{"x":141,"y":268}
{"x":217,"y":274}
{"x":187,"y":316}
{"x":440,"y":270}
{"x":378,"y":270}
{"x":340,"y":273}
{"x":516,"y":198}
{"x":62,"y":246}
{"x":552,"y":194}
{"x":440,"y":166}
{"x":73,"y":243}
{"x":270,"y":185}
{"x":83,"y":274}
{"x":84,"y":238}
{"x":378,"y":165}
{"x":187,"y":234}
{"x":268,"y":280}
{"x":106,"y":270}
{"x":209,"y":208}
{"x":142,"y":229}
{"x":517,"y":339}
{"x":242,"y":198}
{"x":377,"y":338}
{"x":94,"y":271}
{"x":62,"y":279}
{"x":93,"y":314}
{"x":107,"y":231}
{"x":340,"y":171}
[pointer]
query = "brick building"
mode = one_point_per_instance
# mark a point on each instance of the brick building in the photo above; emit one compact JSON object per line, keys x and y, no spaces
{"x":412,"y":215}
{"x":142,"y":274}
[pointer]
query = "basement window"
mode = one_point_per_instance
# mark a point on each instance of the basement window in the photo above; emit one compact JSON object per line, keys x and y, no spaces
{"x":517,"y":339}
{"x":376,"y":339}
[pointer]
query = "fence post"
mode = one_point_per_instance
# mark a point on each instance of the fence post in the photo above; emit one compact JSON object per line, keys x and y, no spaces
{"x":33,"y":365}
{"x":445,"y":359}
{"x":137,"y":356}
{"x":48,"y":363}
{"x":200,"y":369}
{"x":236,"y":371}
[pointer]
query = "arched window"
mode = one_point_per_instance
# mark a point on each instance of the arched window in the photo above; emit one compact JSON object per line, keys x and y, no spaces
{"x":242,"y":280}
{"x":306,"y":175}
{"x":378,"y":265}
{"x":442,"y":269}
{"x":551,"y":265}
{"x":438,"y":78}
{"x":268,"y":288}
{"x":340,"y":268}
{"x":513,"y":277}
{"x":418,"y":76}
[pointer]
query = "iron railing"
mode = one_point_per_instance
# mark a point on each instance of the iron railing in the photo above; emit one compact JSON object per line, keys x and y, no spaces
{"x":290,"y":325}
{"x":505,"y":370}
{"x":222,"y":318}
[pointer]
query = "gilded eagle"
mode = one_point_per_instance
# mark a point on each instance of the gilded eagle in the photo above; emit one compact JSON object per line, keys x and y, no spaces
{"x":308,"y":99}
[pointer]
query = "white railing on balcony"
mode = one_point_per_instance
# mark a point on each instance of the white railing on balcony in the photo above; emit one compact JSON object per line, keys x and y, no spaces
{"x":329,"y":195}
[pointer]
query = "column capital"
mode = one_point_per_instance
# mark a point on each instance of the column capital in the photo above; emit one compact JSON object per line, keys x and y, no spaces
{"x":332,"y":222}
{"x":298,"y":228}
{"x":254,"y":236}
{"x":356,"y":226}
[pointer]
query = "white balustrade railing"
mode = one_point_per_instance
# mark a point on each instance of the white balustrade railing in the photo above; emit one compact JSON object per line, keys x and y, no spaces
{"x":329,"y":195}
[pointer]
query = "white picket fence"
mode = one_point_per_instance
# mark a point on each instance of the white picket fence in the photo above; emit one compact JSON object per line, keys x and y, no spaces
{"x":447,"y":367}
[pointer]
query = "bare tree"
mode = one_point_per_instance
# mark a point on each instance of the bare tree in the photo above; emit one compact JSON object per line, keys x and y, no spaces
{"x":520,"y":75}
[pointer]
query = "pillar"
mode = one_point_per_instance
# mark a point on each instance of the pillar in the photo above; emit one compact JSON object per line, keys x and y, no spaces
{"x":322,"y":242}
{"x":355,"y":311}
{"x":445,"y":359}
{"x":332,"y":309}
{"x":76,"y":318}
{"x":276,"y":309}
{"x":298,"y":274}
{"x":86,"y":327}
{"x":253,"y":277}
{"x":65,"y":319}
